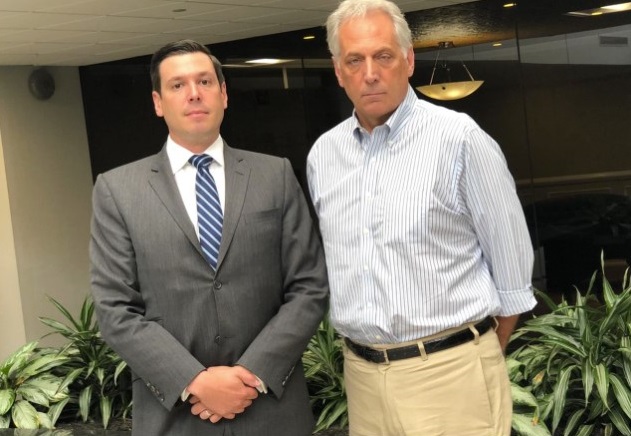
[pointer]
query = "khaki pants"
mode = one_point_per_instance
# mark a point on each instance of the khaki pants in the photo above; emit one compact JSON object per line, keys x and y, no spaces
{"x":460,"y":391}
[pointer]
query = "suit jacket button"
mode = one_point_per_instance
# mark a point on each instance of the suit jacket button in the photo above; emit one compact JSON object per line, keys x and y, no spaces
{"x":217,"y":284}
{"x":218,"y":340}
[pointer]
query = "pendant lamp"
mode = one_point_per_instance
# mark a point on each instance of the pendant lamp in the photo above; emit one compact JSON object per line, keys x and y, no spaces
{"x":448,"y":90}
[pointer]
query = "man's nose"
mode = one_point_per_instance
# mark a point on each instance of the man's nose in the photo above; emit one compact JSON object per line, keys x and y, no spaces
{"x":194,"y":93}
{"x":371,"y":73}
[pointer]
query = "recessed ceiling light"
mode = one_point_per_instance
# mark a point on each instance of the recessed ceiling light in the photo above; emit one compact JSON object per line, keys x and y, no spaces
{"x":609,"y":9}
{"x":497,"y":44}
{"x":308,"y":37}
{"x":510,"y":5}
{"x":266,"y":61}
{"x":618,"y":7}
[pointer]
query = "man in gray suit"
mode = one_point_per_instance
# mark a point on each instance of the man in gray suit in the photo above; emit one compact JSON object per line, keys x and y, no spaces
{"x":211,"y":332}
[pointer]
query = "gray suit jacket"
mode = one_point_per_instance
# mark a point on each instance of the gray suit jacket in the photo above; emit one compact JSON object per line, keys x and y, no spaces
{"x":165,"y":311}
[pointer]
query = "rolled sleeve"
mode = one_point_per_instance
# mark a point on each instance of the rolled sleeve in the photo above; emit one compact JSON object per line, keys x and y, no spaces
{"x":516,"y":301}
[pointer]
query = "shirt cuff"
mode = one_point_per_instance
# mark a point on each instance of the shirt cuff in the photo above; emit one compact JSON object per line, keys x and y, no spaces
{"x":516,"y":301}
{"x":262,"y":387}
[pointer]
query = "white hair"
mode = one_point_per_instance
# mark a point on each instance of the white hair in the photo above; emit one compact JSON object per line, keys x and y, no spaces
{"x":348,"y":9}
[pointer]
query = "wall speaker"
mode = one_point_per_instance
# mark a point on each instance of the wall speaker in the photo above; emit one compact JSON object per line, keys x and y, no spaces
{"x":41,"y":84}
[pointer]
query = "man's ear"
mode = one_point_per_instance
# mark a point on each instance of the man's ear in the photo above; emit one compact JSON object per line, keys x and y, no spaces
{"x":410,"y":59}
{"x":224,"y":93}
{"x":336,"y":67}
{"x":157,"y":103}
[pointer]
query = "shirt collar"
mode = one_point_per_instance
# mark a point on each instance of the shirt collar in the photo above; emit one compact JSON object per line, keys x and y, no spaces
{"x":395,"y":121}
{"x":179,"y":156}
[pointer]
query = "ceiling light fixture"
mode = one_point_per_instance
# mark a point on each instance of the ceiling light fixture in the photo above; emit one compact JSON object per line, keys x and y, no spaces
{"x":609,"y":9}
{"x":510,"y":5}
{"x":308,"y":37}
{"x":448,"y":90}
{"x":266,"y":61}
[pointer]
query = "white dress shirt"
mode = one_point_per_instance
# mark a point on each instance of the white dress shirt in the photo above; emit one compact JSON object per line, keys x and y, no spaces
{"x":421,"y":225}
{"x":185,"y":174}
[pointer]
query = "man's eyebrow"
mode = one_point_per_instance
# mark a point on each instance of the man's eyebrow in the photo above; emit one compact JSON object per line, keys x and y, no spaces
{"x":197,"y":75}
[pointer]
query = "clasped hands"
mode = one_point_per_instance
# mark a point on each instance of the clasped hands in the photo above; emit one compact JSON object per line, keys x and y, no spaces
{"x":222,"y":392}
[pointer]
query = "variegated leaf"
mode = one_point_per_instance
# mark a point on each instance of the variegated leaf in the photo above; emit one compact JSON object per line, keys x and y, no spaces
{"x":7,"y":397}
{"x":24,"y":415}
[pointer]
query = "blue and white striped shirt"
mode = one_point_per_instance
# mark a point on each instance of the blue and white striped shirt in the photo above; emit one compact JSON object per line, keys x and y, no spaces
{"x":421,"y":224}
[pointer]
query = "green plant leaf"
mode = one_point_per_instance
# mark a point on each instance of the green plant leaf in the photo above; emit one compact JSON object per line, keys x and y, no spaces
{"x":90,"y":369}
{"x":622,"y":394}
{"x":572,"y":422}
{"x":42,"y":363}
{"x":525,"y":425}
{"x":49,"y":385}
{"x":5,"y":420}
{"x":625,"y":349}
{"x":44,"y":420}
{"x":547,"y":300}
{"x":596,"y":409}
{"x":57,"y":327}
{"x":601,"y":379}
{"x":122,"y":365}
{"x":55,"y":410}
{"x":619,"y":421}
{"x":24,"y":415}
{"x":330,"y":414}
{"x":552,"y":335}
{"x":85,"y":400}
{"x":608,"y":294}
{"x":70,"y":377}
{"x":588,"y":379}
{"x":17,"y":360}
{"x":93,"y":368}
{"x":323,"y":365}
{"x":585,"y":430}
{"x":65,"y":313}
{"x":32,"y":395}
{"x":522,"y":396}
{"x":106,"y":411}
{"x":560,"y":391}
{"x":7,"y":398}
{"x":100,"y":375}
{"x":87,"y":312}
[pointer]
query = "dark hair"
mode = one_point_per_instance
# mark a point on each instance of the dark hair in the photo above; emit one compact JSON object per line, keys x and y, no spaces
{"x":179,"y":48}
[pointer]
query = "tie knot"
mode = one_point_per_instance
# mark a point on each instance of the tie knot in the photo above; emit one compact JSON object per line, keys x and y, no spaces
{"x":200,"y":161}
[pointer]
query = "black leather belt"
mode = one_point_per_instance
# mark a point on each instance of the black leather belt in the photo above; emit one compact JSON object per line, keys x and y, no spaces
{"x":431,"y":346}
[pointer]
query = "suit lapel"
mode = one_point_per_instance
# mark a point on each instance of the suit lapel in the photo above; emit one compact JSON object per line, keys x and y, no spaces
{"x":237,"y":175}
{"x":163,"y":183}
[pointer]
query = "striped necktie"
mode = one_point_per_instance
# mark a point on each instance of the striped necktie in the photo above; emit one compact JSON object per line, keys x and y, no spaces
{"x":209,"y":215}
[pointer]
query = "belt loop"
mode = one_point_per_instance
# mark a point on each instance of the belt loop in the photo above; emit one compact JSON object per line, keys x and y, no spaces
{"x":421,"y":348}
{"x":476,"y":334}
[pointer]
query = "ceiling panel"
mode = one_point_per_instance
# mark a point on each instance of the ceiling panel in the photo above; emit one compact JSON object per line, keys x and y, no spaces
{"x":100,"y":7}
{"x":93,"y":31}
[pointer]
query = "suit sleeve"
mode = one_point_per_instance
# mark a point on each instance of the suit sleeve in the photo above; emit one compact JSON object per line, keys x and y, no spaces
{"x":153,"y":354}
{"x":274,"y":353}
